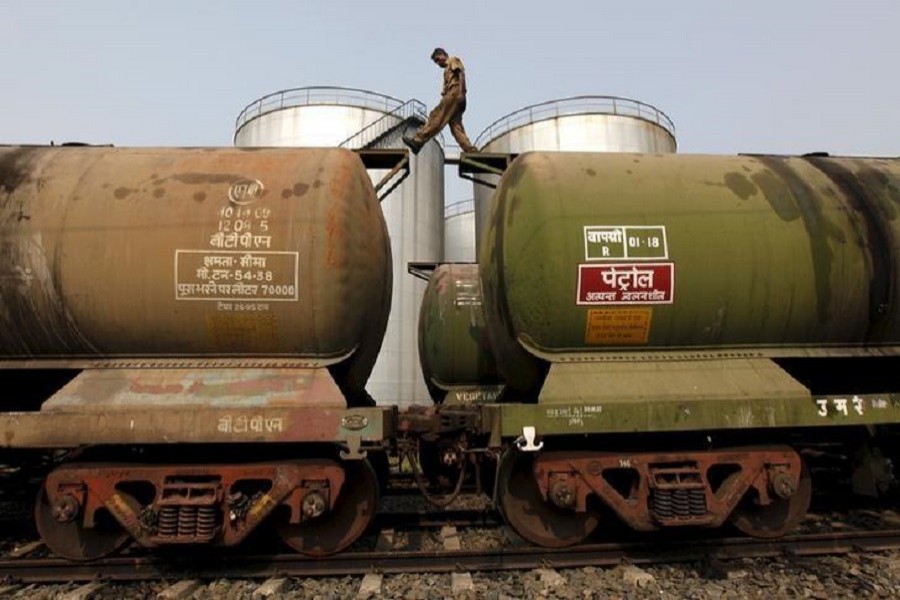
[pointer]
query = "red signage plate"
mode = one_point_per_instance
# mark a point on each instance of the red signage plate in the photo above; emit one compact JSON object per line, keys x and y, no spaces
{"x":626,"y":283}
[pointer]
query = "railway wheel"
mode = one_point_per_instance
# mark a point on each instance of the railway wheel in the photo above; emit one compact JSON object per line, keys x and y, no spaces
{"x":61,"y":529}
{"x":779,"y":517}
{"x":353,"y":512}
{"x":535,"y":519}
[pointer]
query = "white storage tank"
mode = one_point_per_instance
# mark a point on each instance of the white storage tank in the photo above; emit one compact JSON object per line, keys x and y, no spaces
{"x":577,"y":124}
{"x":334,"y":116}
{"x":459,"y":232}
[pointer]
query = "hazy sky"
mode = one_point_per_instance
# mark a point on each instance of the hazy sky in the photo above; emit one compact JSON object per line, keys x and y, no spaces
{"x":786,"y":76}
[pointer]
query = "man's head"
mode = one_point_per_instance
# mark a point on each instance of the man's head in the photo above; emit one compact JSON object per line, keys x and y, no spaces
{"x":440,"y":56}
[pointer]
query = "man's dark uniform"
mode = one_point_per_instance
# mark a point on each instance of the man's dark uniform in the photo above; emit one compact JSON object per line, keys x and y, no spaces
{"x":449,"y":110}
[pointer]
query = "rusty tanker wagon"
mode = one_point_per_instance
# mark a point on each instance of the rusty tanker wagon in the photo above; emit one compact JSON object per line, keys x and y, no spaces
{"x":191,"y":331}
{"x":668,"y":341}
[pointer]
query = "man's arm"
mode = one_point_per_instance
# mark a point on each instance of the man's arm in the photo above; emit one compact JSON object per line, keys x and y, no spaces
{"x":459,"y":73}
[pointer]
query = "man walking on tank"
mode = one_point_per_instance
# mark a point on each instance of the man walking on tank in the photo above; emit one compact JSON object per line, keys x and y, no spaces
{"x":449,"y":110}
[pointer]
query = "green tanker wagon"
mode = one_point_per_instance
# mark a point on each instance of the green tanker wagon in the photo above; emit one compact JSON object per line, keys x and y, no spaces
{"x":678,"y":333}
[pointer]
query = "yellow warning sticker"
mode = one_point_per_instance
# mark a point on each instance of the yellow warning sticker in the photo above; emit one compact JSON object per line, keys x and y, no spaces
{"x":618,"y":326}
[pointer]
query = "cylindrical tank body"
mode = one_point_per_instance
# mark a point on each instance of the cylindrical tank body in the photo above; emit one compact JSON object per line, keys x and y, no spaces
{"x":200,"y":253}
{"x":672,"y":252}
{"x":453,"y":345}
{"x":459,"y":232}
{"x":579,"y":124}
{"x":413,"y":211}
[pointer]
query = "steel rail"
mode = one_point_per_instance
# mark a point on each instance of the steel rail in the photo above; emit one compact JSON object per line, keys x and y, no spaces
{"x":359,"y":563}
{"x":431,"y":519}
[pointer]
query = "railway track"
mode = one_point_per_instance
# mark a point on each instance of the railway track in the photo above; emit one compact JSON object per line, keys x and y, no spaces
{"x":150,"y":567}
{"x":465,"y":547}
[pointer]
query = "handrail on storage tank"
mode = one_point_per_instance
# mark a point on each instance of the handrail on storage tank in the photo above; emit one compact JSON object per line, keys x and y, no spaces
{"x":459,"y":208}
{"x":365,"y":136}
{"x":576,"y":105}
{"x":340,"y":96}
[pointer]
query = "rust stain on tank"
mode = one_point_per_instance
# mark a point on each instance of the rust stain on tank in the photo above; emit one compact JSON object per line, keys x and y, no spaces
{"x":298,"y":190}
{"x":332,"y":233}
{"x":511,"y":181}
{"x":200,"y":196}
{"x":740,"y":185}
{"x":441,"y":281}
{"x":591,"y":172}
{"x":253,"y":331}
{"x":159,"y":192}
{"x":791,"y":198}
{"x":123,"y":192}
{"x":883,"y":190}
{"x":344,"y":179}
{"x":777,"y":195}
{"x":15,"y":168}
{"x":867,"y":211}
